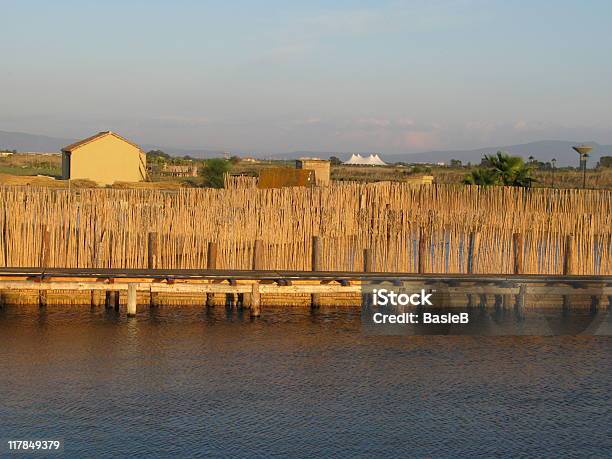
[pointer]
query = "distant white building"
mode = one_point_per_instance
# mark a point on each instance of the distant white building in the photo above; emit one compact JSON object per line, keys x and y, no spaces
{"x":372,"y":160}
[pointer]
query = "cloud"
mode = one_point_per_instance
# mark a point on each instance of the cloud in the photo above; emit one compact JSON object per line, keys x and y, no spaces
{"x":419,"y":139}
{"x":396,"y":16}
{"x":303,"y":35}
{"x":282,"y":53}
{"x":532,"y":126}
{"x":387,"y":134}
{"x":174,"y":121}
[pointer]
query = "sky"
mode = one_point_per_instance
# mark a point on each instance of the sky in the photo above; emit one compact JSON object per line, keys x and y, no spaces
{"x":280,"y":76}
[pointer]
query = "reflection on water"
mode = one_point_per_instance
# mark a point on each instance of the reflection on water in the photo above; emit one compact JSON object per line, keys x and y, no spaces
{"x":190,"y":382}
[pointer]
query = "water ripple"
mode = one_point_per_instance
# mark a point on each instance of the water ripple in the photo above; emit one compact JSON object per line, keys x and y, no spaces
{"x":189,"y":383}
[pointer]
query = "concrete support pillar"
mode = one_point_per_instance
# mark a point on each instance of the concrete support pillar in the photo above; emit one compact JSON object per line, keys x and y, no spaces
{"x":109,"y":299}
{"x":507,"y":301}
{"x":42,"y":298}
{"x":498,"y":302}
{"x":470,"y":300}
{"x":567,"y":304}
{"x":131,"y":300}
{"x":255,"y":300}
{"x":595,"y":302}
{"x":483,"y":301}
{"x":519,"y":306}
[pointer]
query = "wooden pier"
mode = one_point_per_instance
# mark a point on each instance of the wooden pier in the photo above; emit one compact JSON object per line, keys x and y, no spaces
{"x":253,"y":289}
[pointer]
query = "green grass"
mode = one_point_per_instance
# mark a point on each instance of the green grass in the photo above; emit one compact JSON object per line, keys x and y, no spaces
{"x":29,"y":170}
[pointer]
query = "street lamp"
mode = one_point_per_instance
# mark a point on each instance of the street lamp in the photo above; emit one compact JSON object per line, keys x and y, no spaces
{"x":583,"y":151}
{"x":553,"y":162}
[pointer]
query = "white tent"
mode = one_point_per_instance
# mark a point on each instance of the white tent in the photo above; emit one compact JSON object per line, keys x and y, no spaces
{"x":372,"y":160}
{"x":376,"y":161}
{"x":355,"y":159}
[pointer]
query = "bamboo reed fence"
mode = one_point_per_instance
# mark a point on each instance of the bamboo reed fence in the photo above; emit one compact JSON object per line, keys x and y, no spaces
{"x":239,"y":181}
{"x":431,"y":229}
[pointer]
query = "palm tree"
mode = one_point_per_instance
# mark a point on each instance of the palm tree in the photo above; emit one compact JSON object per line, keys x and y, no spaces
{"x":501,"y":169}
{"x":511,"y":170}
{"x":482,"y":177}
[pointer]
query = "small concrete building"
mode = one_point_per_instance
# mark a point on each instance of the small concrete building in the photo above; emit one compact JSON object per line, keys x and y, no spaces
{"x":321,"y":168}
{"x":104,"y":158}
{"x":279,"y":177}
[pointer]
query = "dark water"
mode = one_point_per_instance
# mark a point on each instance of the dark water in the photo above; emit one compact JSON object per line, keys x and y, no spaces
{"x":184,"y":383}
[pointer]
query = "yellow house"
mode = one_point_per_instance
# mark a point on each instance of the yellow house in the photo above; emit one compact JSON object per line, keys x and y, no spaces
{"x":104,"y":158}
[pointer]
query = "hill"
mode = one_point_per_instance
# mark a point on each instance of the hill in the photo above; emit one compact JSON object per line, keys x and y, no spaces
{"x":543,"y":150}
{"x":21,"y":141}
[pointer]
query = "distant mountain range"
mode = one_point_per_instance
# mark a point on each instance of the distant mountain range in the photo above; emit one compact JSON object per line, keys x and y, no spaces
{"x":21,"y":141}
{"x":31,"y":142}
{"x":543,"y":150}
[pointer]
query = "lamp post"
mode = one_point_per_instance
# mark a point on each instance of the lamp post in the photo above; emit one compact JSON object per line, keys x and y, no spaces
{"x":553,"y":162}
{"x":583,"y":151}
